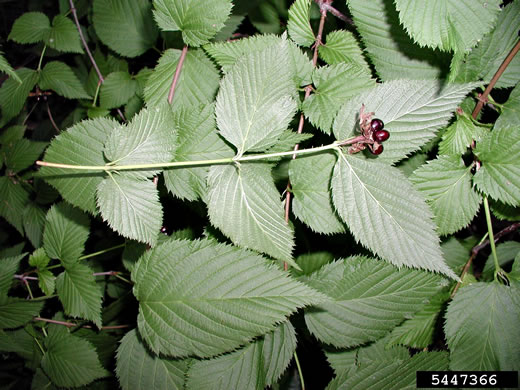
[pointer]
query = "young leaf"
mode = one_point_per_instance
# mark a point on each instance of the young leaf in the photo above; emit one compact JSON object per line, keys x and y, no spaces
{"x":299,"y":26}
{"x":70,"y":361}
{"x":254,"y":103}
{"x":191,"y":89}
{"x":342,"y":46}
{"x":198,"y":140}
{"x":63,"y":35}
{"x":492,"y":342}
{"x":31,"y":27}
{"x":386,"y":214}
{"x":446,"y":184}
{"x":417,"y":332}
{"x":368,"y":298}
{"x":392,"y":51}
{"x":278,"y":349}
{"x":21,"y":154}
{"x":196,"y":307}
{"x":8,"y":267}
{"x":13,"y":94}
{"x":59,"y":77}
{"x":33,"y":223}
{"x":8,"y":69}
{"x":147,"y":139}
{"x":459,"y":135}
{"x":138,"y":369}
{"x":499,"y":175}
{"x":82,"y":144}
{"x":131,"y":207}
{"x":117,"y":90}
{"x":79,"y":293}
{"x":66,"y":231}
{"x":39,"y":258}
{"x":397,"y":375}
{"x":15,"y":312}
{"x":334,"y":85}
{"x":125,"y":26}
{"x":13,"y":198}
{"x":46,"y":281}
{"x":311,"y":262}
{"x":310,"y":185}
{"x":448,"y":24}
{"x":412,"y":111}
{"x":199,"y":21}
{"x":245,"y":205}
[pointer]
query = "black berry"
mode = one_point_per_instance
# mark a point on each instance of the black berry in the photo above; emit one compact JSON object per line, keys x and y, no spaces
{"x":381,"y":135}
{"x":376,"y":149}
{"x":377,"y":124}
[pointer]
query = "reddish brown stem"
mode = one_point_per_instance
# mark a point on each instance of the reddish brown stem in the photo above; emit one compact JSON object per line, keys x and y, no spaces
{"x":72,"y":324}
{"x":177,"y":73}
{"x":52,"y":119}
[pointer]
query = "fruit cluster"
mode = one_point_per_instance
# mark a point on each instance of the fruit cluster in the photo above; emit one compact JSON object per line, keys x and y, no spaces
{"x":373,"y":133}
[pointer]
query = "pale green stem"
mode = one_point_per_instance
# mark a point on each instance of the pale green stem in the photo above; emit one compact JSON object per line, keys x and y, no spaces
{"x":101,"y":252}
{"x":123,"y":279}
{"x":97,"y":93}
{"x":300,"y":373}
{"x":39,"y":345}
{"x":491,"y":237}
{"x":175,"y":164}
{"x":41,"y":58}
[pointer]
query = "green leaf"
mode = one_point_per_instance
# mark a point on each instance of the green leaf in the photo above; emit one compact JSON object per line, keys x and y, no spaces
{"x":66,"y":231}
{"x":21,"y":154}
{"x":63,"y":35}
{"x":418,"y":332}
{"x":245,"y":205}
{"x":459,"y":136}
{"x":21,"y":342}
{"x":310,"y":185}
{"x":386,"y":214}
{"x":391,"y":50}
{"x":456,"y":25}
{"x":397,"y":375}
{"x":13,"y":198}
{"x":31,"y":27}
{"x":138,"y":369}
{"x":196,"y":307}
{"x":506,"y":252}
{"x":8,"y":69}
{"x":59,"y":77}
{"x":412,"y":111}
{"x":147,"y":139}
{"x":79,"y":293}
{"x":311,"y":262}
{"x":82,"y":144}
{"x":510,"y":112}
{"x":342,"y":46}
{"x":39,"y":258}
{"x":117,"y":90}
{"x":46,"y":281}
{"x":278,"y":350}
{"x":455,"y":254}
{"x":12,"y":133}
{"x":484,"y":60}
{"x":368,"y":298}
{"x":70,"y":361}
{"x":15,"y":312}
{"x":499,"y":174}
{"x":13,"y":94}
{"x":492,"y":342}
{"x":192,"y":89}
{"x":131,"y":207}
{"x":125,"y":26}
{"x":446,"y":184}
{"x":8,"y":267}
{"x":254,"y":103}
{"x":198,"y":21}
{"x":198,"y":140}
{"x":299,"y":26}
{"x":334,"y":85}
{"x":33,"y":222}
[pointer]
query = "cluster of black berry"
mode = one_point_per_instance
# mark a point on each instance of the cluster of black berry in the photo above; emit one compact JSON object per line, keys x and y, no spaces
{"x":379,"y":135}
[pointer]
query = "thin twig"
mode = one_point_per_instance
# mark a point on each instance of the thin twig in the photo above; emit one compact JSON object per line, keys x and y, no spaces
{"x":52,"y":119}
{"x":476,"y":249}
{"x":177,"y":74}
{"x":338,"y":14}
{"x":89,"y":53}
{"x":72,"y":324}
